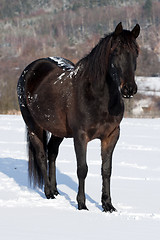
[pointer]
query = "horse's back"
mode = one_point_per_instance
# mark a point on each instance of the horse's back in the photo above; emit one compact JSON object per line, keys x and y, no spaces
{"x":62,"y":63}
{"x":36,"y":72}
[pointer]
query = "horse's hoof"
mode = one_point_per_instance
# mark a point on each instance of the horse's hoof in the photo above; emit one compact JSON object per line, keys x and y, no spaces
{"x":82,"y":206}
{"x":56,"y":192}
{"x":108,"y":207}
{"x":51,"y":194}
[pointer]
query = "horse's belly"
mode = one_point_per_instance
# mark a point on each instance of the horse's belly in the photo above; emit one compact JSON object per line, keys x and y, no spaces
{"x":51,"y":120}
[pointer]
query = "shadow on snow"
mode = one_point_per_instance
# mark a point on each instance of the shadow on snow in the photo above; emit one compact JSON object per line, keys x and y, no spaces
{"x":18,"y":170}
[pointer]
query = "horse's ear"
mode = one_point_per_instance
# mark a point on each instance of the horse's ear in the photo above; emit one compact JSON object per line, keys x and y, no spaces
{"x":118,"y":30}
{"x":136,"y":30}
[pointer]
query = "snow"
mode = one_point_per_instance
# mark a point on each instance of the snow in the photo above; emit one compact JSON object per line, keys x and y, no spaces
{"x":74,"y":73}
{"x":60,"y":77}
{"x":26,"y":213}
{"x":62,"y":62}
{"x":149,"y":85}
{"x":138,"y":108}
{"x":147,"y":105}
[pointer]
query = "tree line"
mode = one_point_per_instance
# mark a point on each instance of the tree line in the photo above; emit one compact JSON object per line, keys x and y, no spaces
{"x":69,"y":28}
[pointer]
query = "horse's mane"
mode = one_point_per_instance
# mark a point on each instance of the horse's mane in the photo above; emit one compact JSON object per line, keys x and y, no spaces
{"x":96,"y":62}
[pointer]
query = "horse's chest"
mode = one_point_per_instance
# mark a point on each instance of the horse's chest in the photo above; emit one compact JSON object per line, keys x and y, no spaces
{"x":102,"y":128}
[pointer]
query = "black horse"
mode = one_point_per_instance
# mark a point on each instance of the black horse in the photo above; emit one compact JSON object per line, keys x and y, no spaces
{"x":83,"y":101}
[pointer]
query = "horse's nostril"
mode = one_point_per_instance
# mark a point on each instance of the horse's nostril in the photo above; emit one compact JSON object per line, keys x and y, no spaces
{"x":129,"y":90}
{"x":125,"y":89}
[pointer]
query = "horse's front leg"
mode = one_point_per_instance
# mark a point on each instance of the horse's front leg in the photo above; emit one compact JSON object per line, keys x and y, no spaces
{"x":107,"y":146}
{"x":80,"y":145}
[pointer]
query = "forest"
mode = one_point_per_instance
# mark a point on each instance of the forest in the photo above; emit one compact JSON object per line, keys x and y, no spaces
{"x":34,"y":29}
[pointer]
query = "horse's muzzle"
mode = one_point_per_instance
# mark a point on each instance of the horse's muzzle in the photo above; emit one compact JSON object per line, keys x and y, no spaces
{"x":128,"y":90}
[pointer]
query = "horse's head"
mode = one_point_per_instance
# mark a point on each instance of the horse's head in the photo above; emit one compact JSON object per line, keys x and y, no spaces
{"x":123,"y":57}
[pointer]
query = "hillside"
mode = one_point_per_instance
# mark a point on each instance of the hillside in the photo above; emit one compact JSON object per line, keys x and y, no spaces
{"x":69,"y":28}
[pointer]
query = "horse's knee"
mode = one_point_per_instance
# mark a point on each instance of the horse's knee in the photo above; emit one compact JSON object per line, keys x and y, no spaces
{"x":82,"y":171}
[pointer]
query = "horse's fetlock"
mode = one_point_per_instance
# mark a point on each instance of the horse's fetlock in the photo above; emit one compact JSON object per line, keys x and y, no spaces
{"x":107,"y":204}
{"x":105,"y":197}
{"x":81,"y":202}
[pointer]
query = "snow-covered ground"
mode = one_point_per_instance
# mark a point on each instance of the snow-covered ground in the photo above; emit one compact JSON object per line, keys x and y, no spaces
{"x":148,"y":104}
{"x":25,"y":214}
{"x":149,"y":85}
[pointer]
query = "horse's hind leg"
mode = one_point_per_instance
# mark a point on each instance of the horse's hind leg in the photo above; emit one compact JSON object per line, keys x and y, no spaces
{"x":38,"y":160}
{"x":53,"y":147}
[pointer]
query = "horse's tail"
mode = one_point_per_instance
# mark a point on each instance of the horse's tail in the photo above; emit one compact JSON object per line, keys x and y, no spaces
{"x":34,"y":171}
{"x":35,"y":174}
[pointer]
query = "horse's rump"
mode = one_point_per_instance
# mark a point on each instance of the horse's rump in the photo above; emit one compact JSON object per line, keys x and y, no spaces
{"x":41,"y":96}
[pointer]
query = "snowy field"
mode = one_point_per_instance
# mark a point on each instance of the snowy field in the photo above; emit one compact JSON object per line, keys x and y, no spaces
{"x":25,"y":214}
{"x":149,"y":85}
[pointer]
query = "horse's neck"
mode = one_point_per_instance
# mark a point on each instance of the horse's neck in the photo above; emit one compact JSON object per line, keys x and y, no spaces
{"x":96,"y":62}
